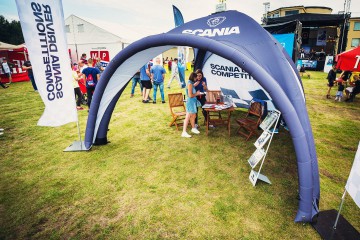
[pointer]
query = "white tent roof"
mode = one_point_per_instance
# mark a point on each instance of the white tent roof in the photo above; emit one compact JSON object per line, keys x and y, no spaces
{"x":80,"y":31}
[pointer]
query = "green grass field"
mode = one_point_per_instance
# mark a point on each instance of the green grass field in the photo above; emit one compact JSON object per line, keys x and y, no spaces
{"x":149,"y":183}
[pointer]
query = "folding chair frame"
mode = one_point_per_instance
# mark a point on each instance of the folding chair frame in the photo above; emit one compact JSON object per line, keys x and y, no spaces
{"x":251,"y":121}
{"x":176,"y":102}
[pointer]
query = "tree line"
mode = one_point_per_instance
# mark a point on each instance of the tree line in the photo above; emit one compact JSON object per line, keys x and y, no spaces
{"x":10,"y":31}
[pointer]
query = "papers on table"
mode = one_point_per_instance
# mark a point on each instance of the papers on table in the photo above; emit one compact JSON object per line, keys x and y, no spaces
{"x":221,"y":107}
{"x":207,"y":105}
{"x":216,"y":106}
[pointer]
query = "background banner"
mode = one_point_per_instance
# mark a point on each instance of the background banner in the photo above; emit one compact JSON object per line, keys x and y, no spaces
{"x":179,"y":20}
{"x":178,"y":17}
{"x":321,"y":38}
{"x":329,"y":61}
{"x":287,"y":41}
{"x":222,"y":74}
{"x":42,"y":23}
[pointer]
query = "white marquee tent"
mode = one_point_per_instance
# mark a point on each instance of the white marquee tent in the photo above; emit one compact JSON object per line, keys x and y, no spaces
{"x":85,"y":37}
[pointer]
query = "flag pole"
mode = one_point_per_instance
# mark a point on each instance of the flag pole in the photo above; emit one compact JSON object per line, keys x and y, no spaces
{"x":77,"y":145}
{"x":341,"y":205}
{"x":78,"y":127}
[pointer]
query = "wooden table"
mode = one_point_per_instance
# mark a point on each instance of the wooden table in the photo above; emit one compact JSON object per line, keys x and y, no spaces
{"x":219,"y":121}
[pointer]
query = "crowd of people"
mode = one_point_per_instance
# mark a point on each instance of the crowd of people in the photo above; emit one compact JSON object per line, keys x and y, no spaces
{"x":346,"y":79}
{"x":312,"y":55}
{"x":86,"y":74}
{"x":152,"y":76}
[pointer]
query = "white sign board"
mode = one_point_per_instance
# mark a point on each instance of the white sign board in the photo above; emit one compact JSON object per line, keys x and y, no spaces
{"x":221,"y":7}
{"x":329,"y":61}
{"x":353,"y":182}
{"x":254,"y":176}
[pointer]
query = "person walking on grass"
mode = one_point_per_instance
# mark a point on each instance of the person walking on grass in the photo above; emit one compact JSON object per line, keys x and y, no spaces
{"x":191,"y":108}
{"x":77,"y":90}
{"x":2,"y":85}
{"x":174,"y":73}
{"x":134,"y":81}
{"x":339,"y":93}
{"x":145,"y":82}
{"x":7,"y":70}
{"x":91,"y":76}
{"x":331,"y":78}
{"x":28,"y":67}
{"x":157,"y":77}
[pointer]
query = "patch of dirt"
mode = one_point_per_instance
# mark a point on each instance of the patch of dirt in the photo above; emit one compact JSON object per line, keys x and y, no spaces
{"x":331,"y":176}
{"x":37,"y":227}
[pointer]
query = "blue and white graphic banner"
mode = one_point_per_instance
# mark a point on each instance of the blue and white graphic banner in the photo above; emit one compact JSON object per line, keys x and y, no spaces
{"x":42,"y":23}
{"x":178,"y":17}
{"x":329,"y":61}
{"x":179,"y":20}
{"x":221,"y":74}
{"x":287,"y":41}
{"x":321,"y":37}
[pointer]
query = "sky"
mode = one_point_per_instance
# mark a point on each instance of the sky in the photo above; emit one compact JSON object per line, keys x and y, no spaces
{"x":135,"y":19}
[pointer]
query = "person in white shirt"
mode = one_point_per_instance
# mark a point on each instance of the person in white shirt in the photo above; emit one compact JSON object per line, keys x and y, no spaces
{"x":174,"y":73}
{"x":6,"y":69}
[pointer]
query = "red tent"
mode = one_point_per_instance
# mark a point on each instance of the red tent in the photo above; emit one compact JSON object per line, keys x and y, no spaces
{"x":349,"y":60}
{"x":16,"y":55}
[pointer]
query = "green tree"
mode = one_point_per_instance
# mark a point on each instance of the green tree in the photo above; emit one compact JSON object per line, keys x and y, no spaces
{"x":10,"y":31}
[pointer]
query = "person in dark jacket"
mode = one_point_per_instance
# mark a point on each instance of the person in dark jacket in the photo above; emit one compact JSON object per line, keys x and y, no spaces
{"x":331,"y":78}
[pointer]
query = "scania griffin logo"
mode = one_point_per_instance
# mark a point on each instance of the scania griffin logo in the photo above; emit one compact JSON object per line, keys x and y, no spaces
{"x":213,"y":22}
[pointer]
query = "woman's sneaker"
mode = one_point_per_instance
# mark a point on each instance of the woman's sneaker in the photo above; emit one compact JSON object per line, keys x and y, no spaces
{"x":185,"y":134}
{"x":194,"y":130}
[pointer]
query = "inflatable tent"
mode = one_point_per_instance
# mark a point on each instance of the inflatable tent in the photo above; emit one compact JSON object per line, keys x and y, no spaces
{"x":239,"y":40}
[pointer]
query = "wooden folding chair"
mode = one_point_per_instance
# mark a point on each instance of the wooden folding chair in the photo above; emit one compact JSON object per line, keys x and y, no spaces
{"x":251,"y":121}
{"x":211,"y":96}
{"x":177,"y":109}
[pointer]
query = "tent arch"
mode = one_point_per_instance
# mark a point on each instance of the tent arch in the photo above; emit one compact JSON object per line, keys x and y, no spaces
{"x":106,"y":96}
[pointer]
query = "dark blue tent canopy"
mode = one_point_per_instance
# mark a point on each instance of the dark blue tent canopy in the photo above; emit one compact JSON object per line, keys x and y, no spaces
{"x":238,"y":38}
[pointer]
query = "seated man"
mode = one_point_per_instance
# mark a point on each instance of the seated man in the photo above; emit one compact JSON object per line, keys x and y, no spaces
{"x":353,"y":90}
